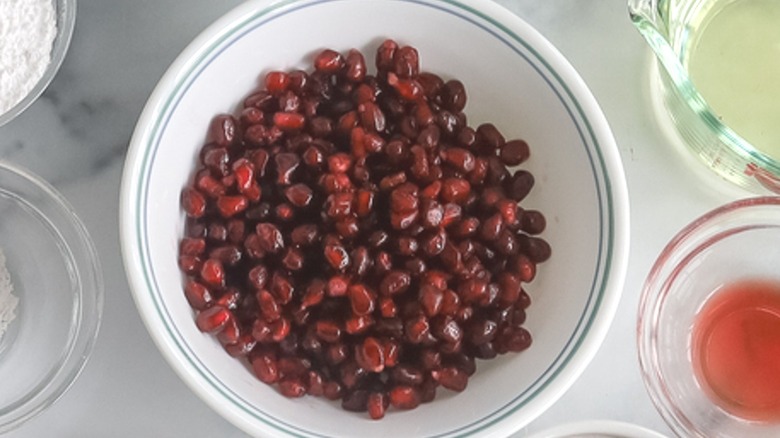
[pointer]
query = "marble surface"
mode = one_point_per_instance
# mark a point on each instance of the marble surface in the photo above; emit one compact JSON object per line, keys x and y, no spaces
{"x":77,"y":134}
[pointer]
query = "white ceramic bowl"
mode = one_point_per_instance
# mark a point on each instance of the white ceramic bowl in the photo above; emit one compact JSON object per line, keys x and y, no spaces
{"x":514,"y":78}
{"x":597,"y":429}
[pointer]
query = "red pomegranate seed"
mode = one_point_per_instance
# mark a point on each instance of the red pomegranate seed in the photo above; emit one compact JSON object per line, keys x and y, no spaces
{"x":404,"y":397}
{"x":270,"y":238}
{"x":370,"y":355}
{"x":231,"y":205}
{"x":377,"y":405}
{"x":451,"y":378}
{"x":222,"y":131}
{"x":395,"y":282}
{"x":356,"y":66}
{"x":460,"y":158}
{"x":213,"y":319}
{"x":198,"y":295}
{"x":265,"y":367}
{"x":339,"y":163}
{"x":408,"y":89}
{"x":289,"y":121}
{"x":193,"y":202}
{"x":431,"y":299}
{"x":337,"y":286}
{"x":328,"y":331}
{"x":514,"y":152}
{"x":361,"y":299}
{"x":299,"y":195}
{"x":213,"y":273}
{"x":210,"y":187}
{"x":533,"y":222}
{"x":455,"y":190}
{"x":292,"y":387}
{"x":277,"y":81}
{"x":371,"y":117}
{"x":406,"y":62}
{"x":329,"y":61}
{"x":286,"y":164}
{"x":337,"y":257}
{"x":385,"y":55}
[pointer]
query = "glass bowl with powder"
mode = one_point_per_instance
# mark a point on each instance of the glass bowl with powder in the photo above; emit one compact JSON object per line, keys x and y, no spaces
{"x":34,"y":38}
{"x":51,"y":296}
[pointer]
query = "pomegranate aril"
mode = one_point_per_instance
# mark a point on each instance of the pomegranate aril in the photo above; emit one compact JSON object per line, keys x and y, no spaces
{"x":337,"y":257}
{"x":533,"y":222}
{"x":377,"y":405}
{"x":231,"y":205}
{"x":455,"y":190}
{"x":370,"y":355}
{"x":299,"y":195}
{"x":355,"y":66}
{"x":514,"y":152}
{"x":451,"y":378}
{"x":198,"y":295}
{"x":265,"y":367}
{"x":222,"y":131}
{"x":460,"y":158}
{"x":404,"y":397}
{"x":193,"y":202}
{"x":361,"y":299}
{"x":213,"y":273}
{"x":277,"y":81}
{"x":519,"y":185}
{"x":213,"y":319}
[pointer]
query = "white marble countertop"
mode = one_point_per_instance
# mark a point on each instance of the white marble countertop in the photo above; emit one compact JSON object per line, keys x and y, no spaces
{"x":77,"y":134}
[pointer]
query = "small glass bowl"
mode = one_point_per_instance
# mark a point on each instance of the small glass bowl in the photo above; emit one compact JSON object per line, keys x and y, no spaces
{"x":66,"y":21}
{"x":57,"y":278}
{"x":738,"y":241}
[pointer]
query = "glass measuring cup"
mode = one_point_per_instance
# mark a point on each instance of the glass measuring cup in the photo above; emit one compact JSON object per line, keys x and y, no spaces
{"x":669,"y":27}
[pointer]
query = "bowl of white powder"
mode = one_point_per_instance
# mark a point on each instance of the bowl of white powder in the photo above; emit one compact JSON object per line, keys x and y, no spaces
{"x":51,"y":295}
{"x":34,"y":38}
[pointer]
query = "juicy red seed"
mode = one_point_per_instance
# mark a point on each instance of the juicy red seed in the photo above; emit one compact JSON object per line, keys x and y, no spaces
{"x":339,"y":163}
{"x":452,"y":213}
{"x":533,"y":222}
{"x":356,"y":66}
{"x":337,"y":286}
{"x":193,"y":202}
{"x":490,"y":135}
{"x":451,"y":378}
{"x":192,"y":246}
{"x":293,"y":259}
{"x":299,"y":195}
{"x":277,"y":81}
{"x":339,"y":205}
{"x":222,"y":131}
{"x":395,"y":282}
{"x":417,"y":329}
{"x":377,"y":405}
{"x":358,"y":324}
{"x":431,"y":299}
{"x":514,"y":152}
{"x":370,"y":355}
{"x":304,"y":235}
{"x":371,"y":117}
{"x":292,"y":387}
{"x":229,"y":255}
{"x":455,"y":190}
{"x":270,"y":238}
{"x":453,"y":95}
{"x":289,"y":121}
{"x":265,"y":368}
{"x":385,"y":55}
{"x":491,"y":227}
{"x":269,"y":308}
{"x":337,"y":257}
{"x":231,"y":205}
{"x":328,"y":331}
{"x":209,"y":186}
{"x":515,"y":339}
{"x":406,"y":62}
{"x":213,"y":273}
{"x":408,"y":89}
{"x":198,"y":295}
{"x":361,"y":299}
{"x":404,"y":397}
{"x":404,"y":198}
{"x":315,"y":293}
{"x":213,"y":319}
{"x":431,"y":212}
{"x":329,"y":61}
{"x":286,"y":164}
{"x":460,"y":158}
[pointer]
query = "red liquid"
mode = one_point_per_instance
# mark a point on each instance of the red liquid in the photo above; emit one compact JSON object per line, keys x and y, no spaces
{"x":736,"y":349}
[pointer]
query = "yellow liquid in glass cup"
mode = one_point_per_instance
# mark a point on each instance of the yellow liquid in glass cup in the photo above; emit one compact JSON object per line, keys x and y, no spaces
{"x":735,"y":65}
{"x":719,"y":76}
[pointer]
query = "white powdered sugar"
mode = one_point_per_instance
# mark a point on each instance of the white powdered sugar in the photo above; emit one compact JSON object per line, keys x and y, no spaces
{"x":27,"y":31}
{"x":8,"y":301}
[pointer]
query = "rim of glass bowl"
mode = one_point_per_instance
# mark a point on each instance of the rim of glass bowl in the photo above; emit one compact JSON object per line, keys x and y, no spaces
{"x":597,"y":139}
{"x":87,"y":285}
{"x":66,"y":22}
{"x":690,"y":239}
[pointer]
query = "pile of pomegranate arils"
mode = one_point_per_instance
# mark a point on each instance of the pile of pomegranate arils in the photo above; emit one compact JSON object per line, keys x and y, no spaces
{"x":352,"y":237}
